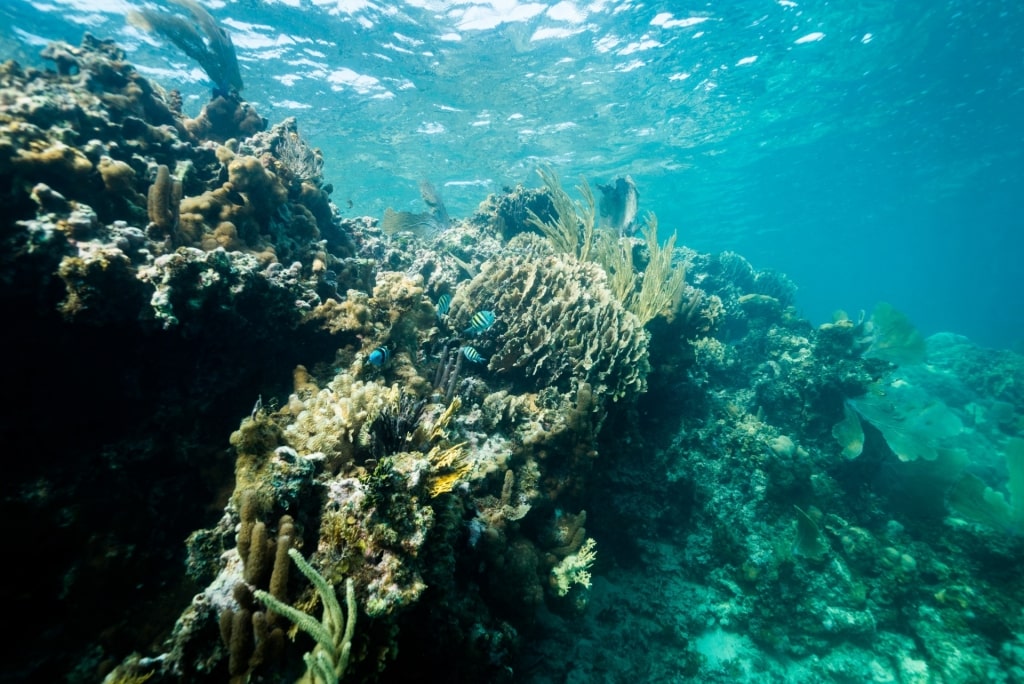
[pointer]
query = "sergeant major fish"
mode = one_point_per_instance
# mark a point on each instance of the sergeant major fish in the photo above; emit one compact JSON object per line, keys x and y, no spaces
{"x":473,"y":355}
{"x":444,"y":304}
{"x":480,"y":323}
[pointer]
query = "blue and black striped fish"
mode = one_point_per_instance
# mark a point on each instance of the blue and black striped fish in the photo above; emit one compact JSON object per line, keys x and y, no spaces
{"x":480,"y":323}
{"x":444,"y":303}
{"x":473,"y":355}
{"x":379,"y":356}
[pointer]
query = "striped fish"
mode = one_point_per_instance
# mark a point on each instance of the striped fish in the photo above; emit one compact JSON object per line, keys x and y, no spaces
{"x":444,"y":303}
{"x":379,"y":356}
{"x":473,"y":355}
{"x":480,"y":323}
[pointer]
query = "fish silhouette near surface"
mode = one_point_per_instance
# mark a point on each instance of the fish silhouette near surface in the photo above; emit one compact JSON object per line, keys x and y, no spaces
{"x":428,"y":224}
{"x":620,"y":202}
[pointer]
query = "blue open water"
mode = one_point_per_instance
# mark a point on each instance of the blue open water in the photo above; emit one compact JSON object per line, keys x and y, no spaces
{"x":872,"y":150}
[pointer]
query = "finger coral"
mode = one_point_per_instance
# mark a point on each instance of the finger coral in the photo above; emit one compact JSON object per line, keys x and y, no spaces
{"x":574,"y":569}
{"x":164,"y":201}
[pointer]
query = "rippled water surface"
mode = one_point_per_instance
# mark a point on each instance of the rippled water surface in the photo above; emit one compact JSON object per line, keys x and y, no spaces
{"x":872,"y":150}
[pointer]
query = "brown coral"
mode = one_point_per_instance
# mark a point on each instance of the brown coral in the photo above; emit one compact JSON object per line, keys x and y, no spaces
{"x":53,"y":162}
{"x":558,"y":324}
{"x":164,"y":201}
{"x":224,"y":118}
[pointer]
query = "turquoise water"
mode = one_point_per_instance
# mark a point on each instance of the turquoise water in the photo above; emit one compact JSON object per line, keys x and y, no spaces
{"x":870,"y":150}
{"x":779,"y":504}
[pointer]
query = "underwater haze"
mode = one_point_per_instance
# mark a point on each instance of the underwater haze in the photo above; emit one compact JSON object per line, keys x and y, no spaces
{"x":870,"y":150}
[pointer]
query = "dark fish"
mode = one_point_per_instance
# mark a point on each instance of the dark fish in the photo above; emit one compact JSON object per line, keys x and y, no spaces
{"x":620,"y":202}
{"x":473,"y":355}
{"x":434,"y":203}
{"x":480,"y":323}
{"x":444,"y":303}
{"x":425,"y":225}
{"x":379,"y":356}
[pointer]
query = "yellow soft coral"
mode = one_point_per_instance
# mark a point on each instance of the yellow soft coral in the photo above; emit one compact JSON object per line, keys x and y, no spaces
{"x":574,"y":569}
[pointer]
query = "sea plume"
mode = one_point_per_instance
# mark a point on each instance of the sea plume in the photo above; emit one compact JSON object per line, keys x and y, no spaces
{"x":199,"y":37}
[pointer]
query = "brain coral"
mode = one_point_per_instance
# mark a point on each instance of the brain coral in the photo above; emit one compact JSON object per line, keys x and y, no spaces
{"x":557,"y":322}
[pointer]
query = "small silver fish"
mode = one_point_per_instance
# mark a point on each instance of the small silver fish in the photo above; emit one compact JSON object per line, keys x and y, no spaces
{"x":472,"y":354}
{"x":480,"y":323}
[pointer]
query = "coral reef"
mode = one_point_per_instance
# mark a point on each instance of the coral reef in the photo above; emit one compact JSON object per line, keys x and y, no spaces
{"x":656,"y":291}
{"x":329,"y":660}
{"x":441,"y":420}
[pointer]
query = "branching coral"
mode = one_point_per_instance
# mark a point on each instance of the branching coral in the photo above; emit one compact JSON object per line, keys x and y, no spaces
{"x":250,"y":211}
{"x":53,"y":162}
{"x":337,"y":420}
{"x":351,"y":315}
{"x":224,"y":118}
{"x":262,"y":188}
{"x":662,"y":284}
{"x":327,"y":662}
{"x":90,"y":274}
{"x":574,"y":569}
{"x":572,"y":229}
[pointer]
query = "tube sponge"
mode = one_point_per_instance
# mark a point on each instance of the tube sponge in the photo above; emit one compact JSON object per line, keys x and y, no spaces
{"x":164,"y":201}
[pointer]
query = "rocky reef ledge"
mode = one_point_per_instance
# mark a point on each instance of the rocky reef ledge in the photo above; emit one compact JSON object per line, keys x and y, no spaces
{"x":281,"y":444}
